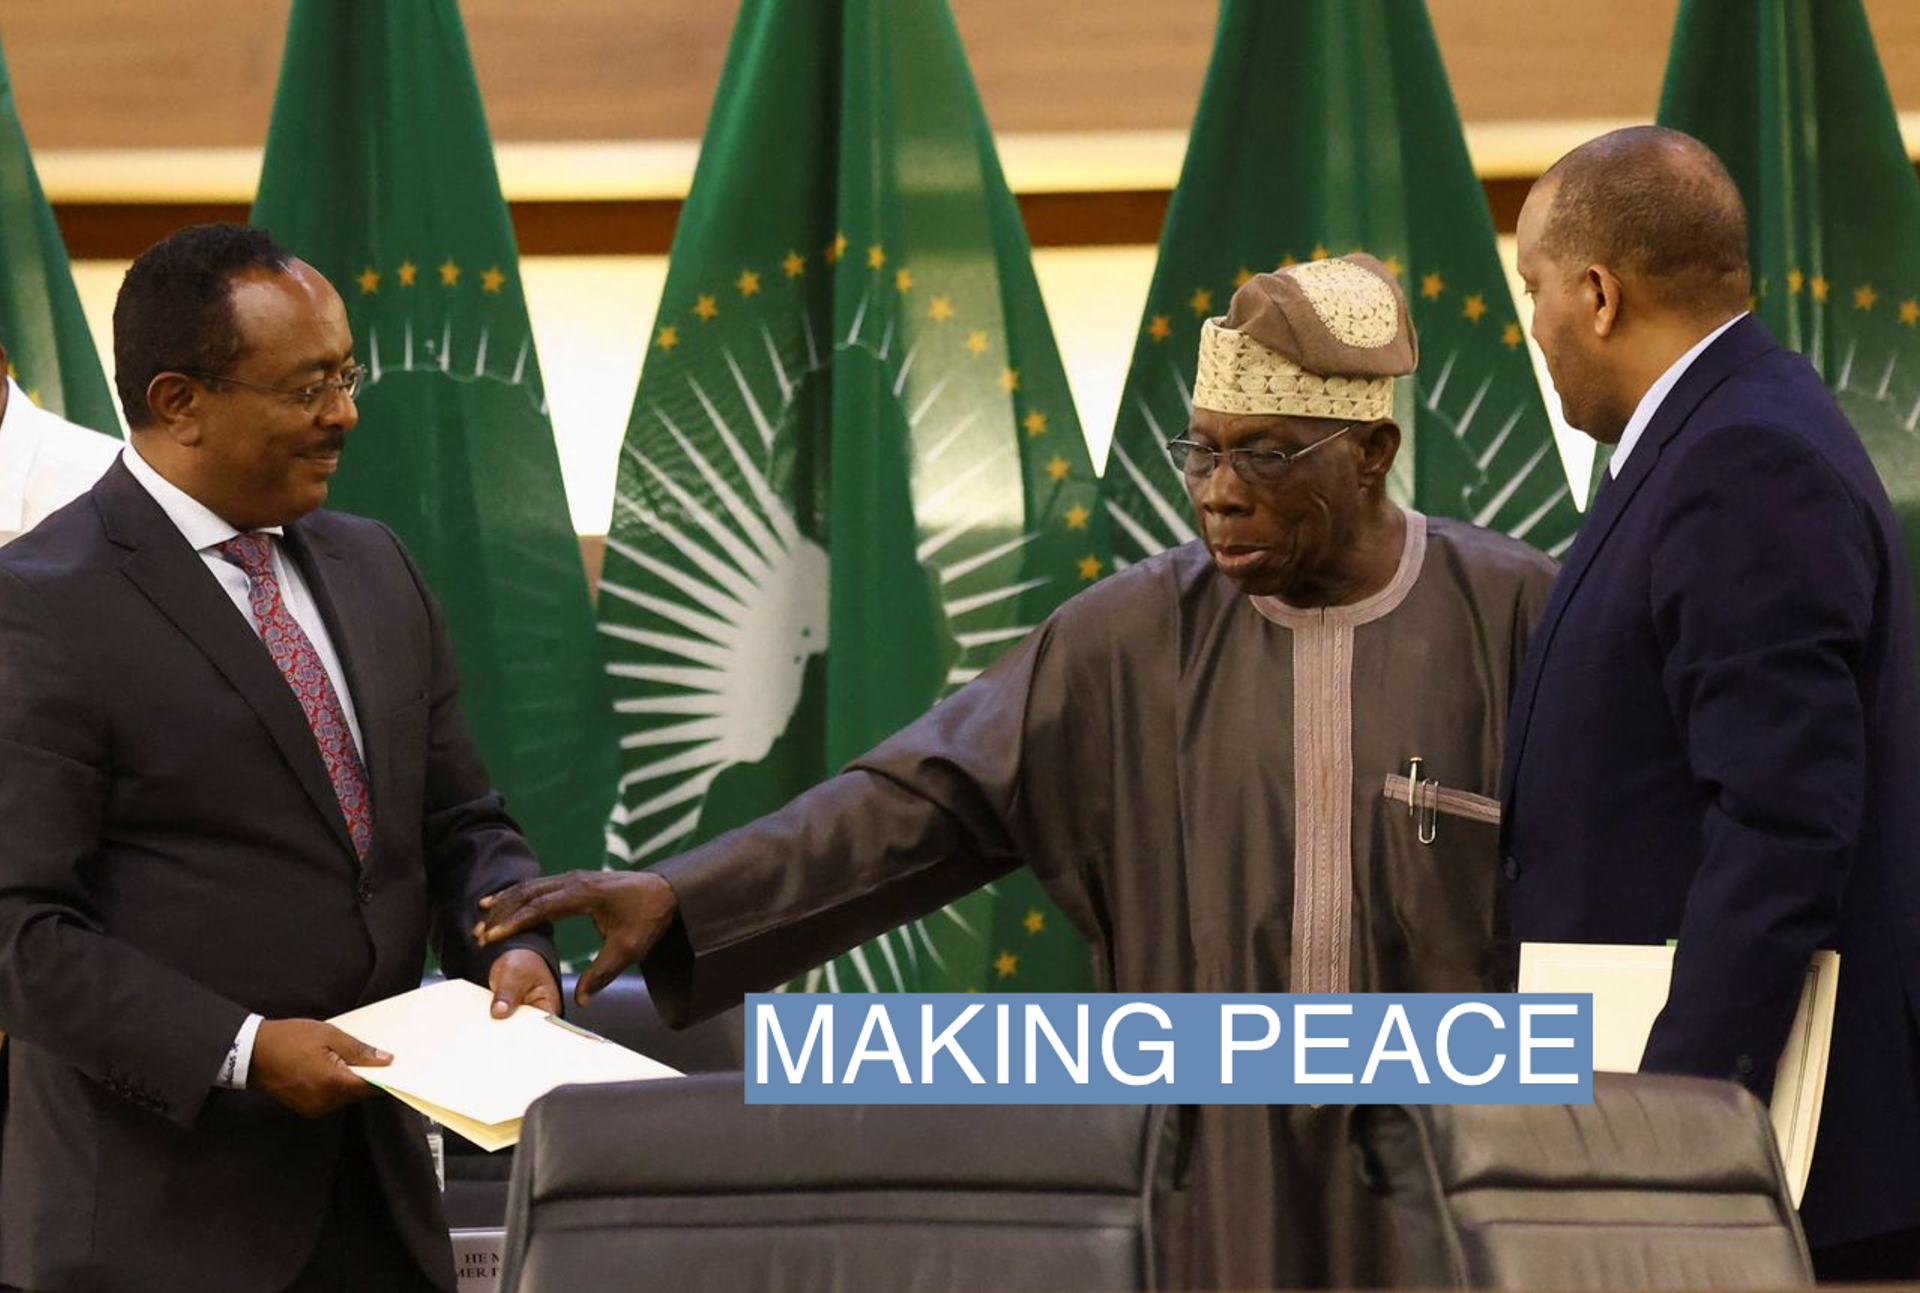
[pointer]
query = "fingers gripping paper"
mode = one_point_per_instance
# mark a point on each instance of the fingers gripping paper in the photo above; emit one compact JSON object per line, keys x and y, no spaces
{"x":474,"y":1074}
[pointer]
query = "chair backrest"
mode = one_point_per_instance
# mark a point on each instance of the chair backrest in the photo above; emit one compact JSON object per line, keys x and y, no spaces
{"x":1660,"y":1183}
{"x":476,"y":1189}
{"x":679,"y":1183}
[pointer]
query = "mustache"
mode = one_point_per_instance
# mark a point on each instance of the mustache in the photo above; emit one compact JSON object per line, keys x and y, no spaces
{"x":332,"y":444}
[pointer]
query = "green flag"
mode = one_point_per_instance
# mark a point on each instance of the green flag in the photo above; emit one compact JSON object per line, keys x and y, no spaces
{"x":1327,"y":126}
{"x":49,"y":350}
{"x":1791,"y":95}
{"x":379,"y":172}
{"x":853,"y":474}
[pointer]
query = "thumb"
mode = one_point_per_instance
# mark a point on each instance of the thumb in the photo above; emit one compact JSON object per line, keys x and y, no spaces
{"x":606,"y":967}
{"x":356,"y":1052}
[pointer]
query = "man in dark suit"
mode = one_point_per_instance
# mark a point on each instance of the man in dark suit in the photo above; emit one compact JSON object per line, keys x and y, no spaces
{"x":237,"y":794}
{"x":1717,"y":731}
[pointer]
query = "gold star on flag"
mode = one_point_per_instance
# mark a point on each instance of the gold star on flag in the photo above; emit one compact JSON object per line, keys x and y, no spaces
{"x":795,"y":264}
{"x":1035,"y":922}
{"x":1864,"y":296}
{"x":369,"y":281}
{"x":941,"y":310}
{"x":1289,"y":259}
{"x":1393,"y":265}
{"x":1820,"y":287}
{"x":1076,"y":520}
{"x":903,"y":281}
{"x":1201,"y":301}
{"x":706,"y":307}
{"x":876,"y":257}
{"x":1240,"y":279}
{"x":977,"y":342}
{"x":1431,"y":285}
{"x":1795,"y":280}
{"x":1009,"y":380}
{"x":1089,"y":567}
{"x":1058,"y":467}
{"x":836,"y":249}
{"x":492,"y":279}
{"x":449,"y":273}
{"x":1035,"y":422}
{"x":1007,"y":965}
{"x":408,"y":272}
{"x":1910,"y":312}
{"x":748,"y":282}
{"x":669,"y":337}
{"x":1510,"y":336}
{"x":1160,"y":328}
{"x":1319,"y":251}
{"x":1475,"y":307}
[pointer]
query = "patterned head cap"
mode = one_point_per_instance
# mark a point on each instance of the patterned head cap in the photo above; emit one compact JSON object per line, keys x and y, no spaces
{"x":1322,"y":339}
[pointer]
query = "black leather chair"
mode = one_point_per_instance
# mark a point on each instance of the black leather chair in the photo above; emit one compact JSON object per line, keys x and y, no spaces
{"x":476,"y":1193}
{"x":681,"y":1184}
{"x":1660,"y":1183}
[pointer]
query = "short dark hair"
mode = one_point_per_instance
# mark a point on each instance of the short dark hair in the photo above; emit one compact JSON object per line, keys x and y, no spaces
{"x":1658,"y":204}
{"x":175,"y":309}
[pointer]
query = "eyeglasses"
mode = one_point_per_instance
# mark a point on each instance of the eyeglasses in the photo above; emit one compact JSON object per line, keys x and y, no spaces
{"x":311,"y":398}
{"x":1255,"y":466}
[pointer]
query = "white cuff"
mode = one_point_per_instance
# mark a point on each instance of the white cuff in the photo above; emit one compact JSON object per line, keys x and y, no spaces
{"x":233,"y":1070}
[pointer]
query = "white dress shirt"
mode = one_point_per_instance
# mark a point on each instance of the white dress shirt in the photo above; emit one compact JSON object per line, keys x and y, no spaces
{"x":206,"y":532}
{"x":45,"y":462}
{"x":1657,"y":394}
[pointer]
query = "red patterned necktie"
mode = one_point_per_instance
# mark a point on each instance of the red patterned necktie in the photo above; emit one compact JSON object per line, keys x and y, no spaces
{"x":292,"y":650}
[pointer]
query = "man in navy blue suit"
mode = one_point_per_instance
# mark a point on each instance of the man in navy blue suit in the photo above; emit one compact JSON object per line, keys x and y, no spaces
{"x":1717,"y":732}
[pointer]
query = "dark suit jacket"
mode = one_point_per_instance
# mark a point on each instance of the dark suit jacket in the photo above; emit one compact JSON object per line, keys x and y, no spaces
{"x":1716,"y":738}
{"x":174,"y":857}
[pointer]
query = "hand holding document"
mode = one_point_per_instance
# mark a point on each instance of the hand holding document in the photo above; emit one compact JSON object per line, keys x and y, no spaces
{"x":1629,"y":986}
{"x":475,"y":1074}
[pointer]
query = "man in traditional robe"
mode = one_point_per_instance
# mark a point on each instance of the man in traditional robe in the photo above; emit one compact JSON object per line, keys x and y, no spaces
{"x":1204,"y":757}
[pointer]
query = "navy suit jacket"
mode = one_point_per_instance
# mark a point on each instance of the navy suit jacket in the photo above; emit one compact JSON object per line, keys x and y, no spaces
{"x":1716,"y":738}
{"x":172,"y":856}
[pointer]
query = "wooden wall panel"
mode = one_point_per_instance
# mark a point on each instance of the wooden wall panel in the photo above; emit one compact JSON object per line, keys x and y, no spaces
{"x":138,"y":73}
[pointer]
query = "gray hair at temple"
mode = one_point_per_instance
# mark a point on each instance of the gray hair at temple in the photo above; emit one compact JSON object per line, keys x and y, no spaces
{"x":1658,"y":206}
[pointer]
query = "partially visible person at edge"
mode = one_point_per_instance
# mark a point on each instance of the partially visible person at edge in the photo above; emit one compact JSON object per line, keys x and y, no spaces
{"x":1197,"y":756}
{"x":239,"y":795}
{"x":1718,"y":732}
{"x":45,"y":461}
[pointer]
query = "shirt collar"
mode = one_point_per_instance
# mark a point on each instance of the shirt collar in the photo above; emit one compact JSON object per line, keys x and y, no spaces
{"x":1657,"y":394}
{"x":194,"y":519}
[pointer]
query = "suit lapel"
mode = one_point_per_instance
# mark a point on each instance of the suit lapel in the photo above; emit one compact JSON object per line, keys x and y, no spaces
{"x":1737,"y":347}
{"x":351,"y":625}
{"x":176,"y":580}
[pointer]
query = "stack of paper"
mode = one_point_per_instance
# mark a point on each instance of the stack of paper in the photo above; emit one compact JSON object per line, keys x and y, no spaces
{"x":1629,"y":986}
{"x":474,"y":1074}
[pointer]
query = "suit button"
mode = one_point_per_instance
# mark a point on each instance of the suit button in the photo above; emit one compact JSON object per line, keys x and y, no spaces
{"x":1743,"y":1065}
{"x":1511,"y":865}
{"x":366,"y":893}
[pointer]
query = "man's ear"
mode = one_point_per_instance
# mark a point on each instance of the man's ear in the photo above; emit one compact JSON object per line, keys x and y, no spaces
{"x":1379,"y":445}
{"x":1604,"y":296}
{"x":174,"y":401}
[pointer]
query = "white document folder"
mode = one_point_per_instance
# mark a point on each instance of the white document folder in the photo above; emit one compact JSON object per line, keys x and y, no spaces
{"x":474,"y":1074}
{"x":1629,"y":986}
